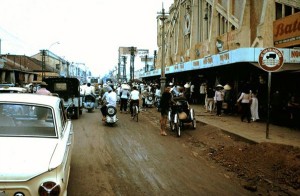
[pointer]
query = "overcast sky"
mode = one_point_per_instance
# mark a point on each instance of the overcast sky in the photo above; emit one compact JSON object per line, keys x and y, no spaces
{"x":89,"y":31}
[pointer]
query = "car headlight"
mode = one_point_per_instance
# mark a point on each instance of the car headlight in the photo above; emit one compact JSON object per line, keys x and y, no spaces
{"x":49,"y":188}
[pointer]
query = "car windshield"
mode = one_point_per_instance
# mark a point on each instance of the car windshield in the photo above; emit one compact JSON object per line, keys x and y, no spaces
{"x":19,"y":120}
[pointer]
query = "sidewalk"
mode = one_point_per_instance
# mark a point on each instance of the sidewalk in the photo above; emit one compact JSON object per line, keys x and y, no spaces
{"x":254,"y":131}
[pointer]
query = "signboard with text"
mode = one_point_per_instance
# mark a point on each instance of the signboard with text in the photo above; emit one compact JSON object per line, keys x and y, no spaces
{"x":270,"y":59}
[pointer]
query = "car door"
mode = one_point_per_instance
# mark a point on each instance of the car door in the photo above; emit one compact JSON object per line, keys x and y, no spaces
{"x":67,"y":137}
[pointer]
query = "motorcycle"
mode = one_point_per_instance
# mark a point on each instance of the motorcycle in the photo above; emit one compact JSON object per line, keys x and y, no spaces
{"x":111,"y":116}
{"x":89,"y":102}
{"x":149,"y":100}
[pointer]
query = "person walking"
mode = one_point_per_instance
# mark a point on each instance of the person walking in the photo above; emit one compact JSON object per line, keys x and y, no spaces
{"x":219,"y":98}
{"x":210,"y":99}
{"x":124,"y":95}
{"x":245,"y":103}
{"x":202,"y":93}
{"x":165,"y":101}
{"x":254,"y":107}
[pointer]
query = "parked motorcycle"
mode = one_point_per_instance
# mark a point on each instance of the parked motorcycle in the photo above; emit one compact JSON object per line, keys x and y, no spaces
{"x":89,"y":102}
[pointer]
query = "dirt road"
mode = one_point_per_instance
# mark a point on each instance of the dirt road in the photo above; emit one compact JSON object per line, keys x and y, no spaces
{"x":133,"y":159}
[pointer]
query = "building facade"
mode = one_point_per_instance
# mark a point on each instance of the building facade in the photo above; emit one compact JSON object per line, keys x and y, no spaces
{"x":221,"y":42}
{"x":199,"y":28}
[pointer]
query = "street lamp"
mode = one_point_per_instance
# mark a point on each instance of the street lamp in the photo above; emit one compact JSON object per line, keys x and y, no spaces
{"x":53,"y":44}
{"x":162,"y":78}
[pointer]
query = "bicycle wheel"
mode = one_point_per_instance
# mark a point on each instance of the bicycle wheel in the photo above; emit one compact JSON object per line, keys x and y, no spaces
{"x":137,"y":113}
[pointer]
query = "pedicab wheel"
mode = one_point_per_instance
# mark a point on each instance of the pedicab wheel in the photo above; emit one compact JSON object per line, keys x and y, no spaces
{"x":194,"y":123}
{"x":178,"y":129}
{"x":172,"y":126}
{"x":177,"y":125}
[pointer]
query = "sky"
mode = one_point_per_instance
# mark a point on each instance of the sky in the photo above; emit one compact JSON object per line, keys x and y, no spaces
{"x":81,"y":31}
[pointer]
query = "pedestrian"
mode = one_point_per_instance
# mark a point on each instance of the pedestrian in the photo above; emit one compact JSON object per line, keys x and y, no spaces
{"x":43,"y":90}
{"x":228,"y":99}
{"x":165,"y":102}
{"x":245,"y":103}
{"x":124,"y":95}
{"x":209,"y":99}
{"x":219,"y":98}
{"x":254,"y":107}
{"x":193,"y":95}
{"x":202,"y":93}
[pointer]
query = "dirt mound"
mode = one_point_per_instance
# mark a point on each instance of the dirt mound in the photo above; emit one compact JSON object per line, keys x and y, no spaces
{"x":263,"y":168}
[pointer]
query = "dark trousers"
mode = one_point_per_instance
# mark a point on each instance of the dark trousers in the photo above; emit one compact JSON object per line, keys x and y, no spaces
{"x":123,"y":106}
{"x":246,"y":112}
{"x":103,"y":110}
{"x":131,"y":104}
{"x":219,"y":107}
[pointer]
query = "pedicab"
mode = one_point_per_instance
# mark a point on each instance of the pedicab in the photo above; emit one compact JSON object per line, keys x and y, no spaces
{"x":180,"y":114}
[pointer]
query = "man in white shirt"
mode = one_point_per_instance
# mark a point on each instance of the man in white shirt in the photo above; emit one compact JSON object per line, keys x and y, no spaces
{"x":89,"y":90}
{"x":111,"y":99}
{"x":134,"y":98}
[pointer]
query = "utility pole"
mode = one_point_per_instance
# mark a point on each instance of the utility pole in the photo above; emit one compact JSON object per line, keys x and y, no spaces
{"x":146,"y":64}
{"x":132,"y":55}
{"x":162,"y":17}
{"x":43,"y":52}
{"x":154,"y":59}
{"x":124,"y":69}
{"x":119,"y":65}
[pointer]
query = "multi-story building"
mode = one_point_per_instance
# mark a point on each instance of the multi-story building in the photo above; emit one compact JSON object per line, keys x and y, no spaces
{"x":224,"y":42}
{"x":201,"y":34}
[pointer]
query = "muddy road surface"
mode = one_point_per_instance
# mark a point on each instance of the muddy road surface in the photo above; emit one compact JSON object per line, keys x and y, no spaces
{"x":132,"y":158}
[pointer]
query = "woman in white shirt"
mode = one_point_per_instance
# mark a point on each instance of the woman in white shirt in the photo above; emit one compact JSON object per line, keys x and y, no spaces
{"x":245,"y":103}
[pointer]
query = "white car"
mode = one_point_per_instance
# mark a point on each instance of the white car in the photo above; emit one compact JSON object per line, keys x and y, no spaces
{"x":35,"y":146}
{"x":12,"y":89}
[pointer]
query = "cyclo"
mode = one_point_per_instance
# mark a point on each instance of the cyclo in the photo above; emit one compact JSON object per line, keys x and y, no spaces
{"x":179,"y":114}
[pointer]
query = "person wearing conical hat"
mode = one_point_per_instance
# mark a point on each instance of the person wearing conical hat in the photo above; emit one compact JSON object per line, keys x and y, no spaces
{"x":219,"y":98}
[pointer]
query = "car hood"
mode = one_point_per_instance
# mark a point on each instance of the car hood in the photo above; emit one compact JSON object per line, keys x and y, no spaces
{"x":24,"y":158}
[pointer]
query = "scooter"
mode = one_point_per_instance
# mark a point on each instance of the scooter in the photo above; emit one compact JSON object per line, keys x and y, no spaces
{"x":89,"y":102}
{"x":111,"y":116}
{"x":149,"y":100}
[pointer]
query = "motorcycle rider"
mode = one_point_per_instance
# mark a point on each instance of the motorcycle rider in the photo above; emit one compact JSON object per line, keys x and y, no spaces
{"x":89,"y":90}
{"x":111,"y":100}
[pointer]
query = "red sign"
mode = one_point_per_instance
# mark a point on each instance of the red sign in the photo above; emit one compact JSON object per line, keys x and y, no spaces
{"x":270,"y":59}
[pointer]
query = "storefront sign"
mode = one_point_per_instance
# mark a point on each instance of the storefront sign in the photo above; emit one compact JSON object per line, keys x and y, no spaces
{"x":286,"y":31}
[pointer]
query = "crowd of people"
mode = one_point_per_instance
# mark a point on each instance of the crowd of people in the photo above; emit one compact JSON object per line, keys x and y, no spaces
{"x":216,"y":99}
